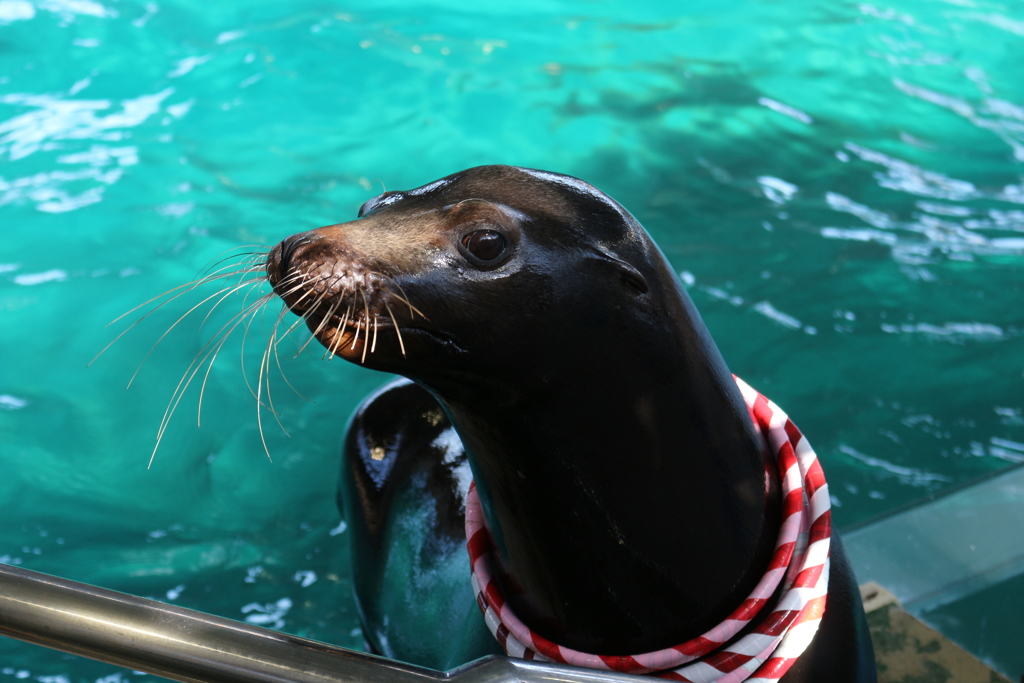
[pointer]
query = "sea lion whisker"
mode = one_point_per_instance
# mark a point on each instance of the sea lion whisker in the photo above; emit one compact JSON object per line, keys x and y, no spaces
{"x":262,"y":301}
{"x":303,"y":318}
{"x":398,"y":332}
{"x":294,"y":289}
{"x":271,"y":347}
{"x":356,"y":337}
{"x":257,"y":282}
{"x":214,"y":352}
{"x":303,"y":282}
{"x":373,"y":347}
{"x":338,"y":337}
{"x":294,"y":276}
{"x":245,"y":334}
{"x":320,"y":327}
{"x":255,"y":308}
{"x":315,"y":306}
{"x":277,"y":356}
{"x":297,"y":287}
{"x":231,"y":290}
{"x":228,"y":270}
{"x":172,"y":405}
{"x":206,"y":375}
{"x":249,"y":264}
{"x":183,"y":384}
{"x":302,"y":279}
{"x":404,"y":298}
{"x":300,"y":319}
{"x":265,"y":367}
{"x":366,"y":318}
{"x":262,"y":249}
{"x":287,"y":332}
{"x":250,"y":311}
{"x":259,"y":416}
{"x":241,"y":272}
{"x":412,"y":309}
{"x":190,"y":285}
{"x":299,"y":277}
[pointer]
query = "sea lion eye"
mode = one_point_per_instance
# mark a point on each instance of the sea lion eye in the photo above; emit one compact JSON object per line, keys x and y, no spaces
{"x":484,"y":246}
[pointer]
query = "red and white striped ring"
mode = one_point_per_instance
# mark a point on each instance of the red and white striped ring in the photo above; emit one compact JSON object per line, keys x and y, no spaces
{"x":800,"y":562}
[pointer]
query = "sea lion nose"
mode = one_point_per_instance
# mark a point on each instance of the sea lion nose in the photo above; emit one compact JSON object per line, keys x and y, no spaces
{"x":288,"y":248}
{"x":279,"y":260}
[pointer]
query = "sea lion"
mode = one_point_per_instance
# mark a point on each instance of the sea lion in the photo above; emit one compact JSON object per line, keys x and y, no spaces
{"x":551,"y":354}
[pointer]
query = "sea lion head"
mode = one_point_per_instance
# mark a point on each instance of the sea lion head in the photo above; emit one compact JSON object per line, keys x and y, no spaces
{"x":473,"y":276}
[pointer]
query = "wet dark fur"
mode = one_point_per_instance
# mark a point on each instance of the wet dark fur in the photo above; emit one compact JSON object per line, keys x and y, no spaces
{"x":590,"y":402}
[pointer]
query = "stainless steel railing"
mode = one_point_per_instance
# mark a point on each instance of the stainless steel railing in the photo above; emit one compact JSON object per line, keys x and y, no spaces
{"x":185,"y":645}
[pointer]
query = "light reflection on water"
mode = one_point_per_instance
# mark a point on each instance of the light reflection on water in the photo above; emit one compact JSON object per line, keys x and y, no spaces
{"x":841,"y":187}
{"x":47,"y":126}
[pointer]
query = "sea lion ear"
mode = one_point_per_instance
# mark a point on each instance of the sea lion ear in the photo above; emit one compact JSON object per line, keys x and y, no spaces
{"x":631,"y":277}
{"x":367,"y":207}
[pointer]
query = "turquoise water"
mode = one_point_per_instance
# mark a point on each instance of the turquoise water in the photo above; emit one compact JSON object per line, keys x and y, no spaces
{"x":840,"y":185}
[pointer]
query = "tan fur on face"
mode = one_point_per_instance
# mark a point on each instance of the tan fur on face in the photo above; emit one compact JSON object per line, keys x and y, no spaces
{"x":389,"y":244}
{"x":343,"y":278}
{"x":394,"y":242}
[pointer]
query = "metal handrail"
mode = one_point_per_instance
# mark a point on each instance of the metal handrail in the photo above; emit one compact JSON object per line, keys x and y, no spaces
{"x":186,"y":645}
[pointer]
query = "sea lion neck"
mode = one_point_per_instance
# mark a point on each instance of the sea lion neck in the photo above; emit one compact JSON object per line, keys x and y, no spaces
{"x":634,"y":512}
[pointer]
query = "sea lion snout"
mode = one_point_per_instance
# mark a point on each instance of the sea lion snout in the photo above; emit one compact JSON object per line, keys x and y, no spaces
{"x":343,"y":294}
